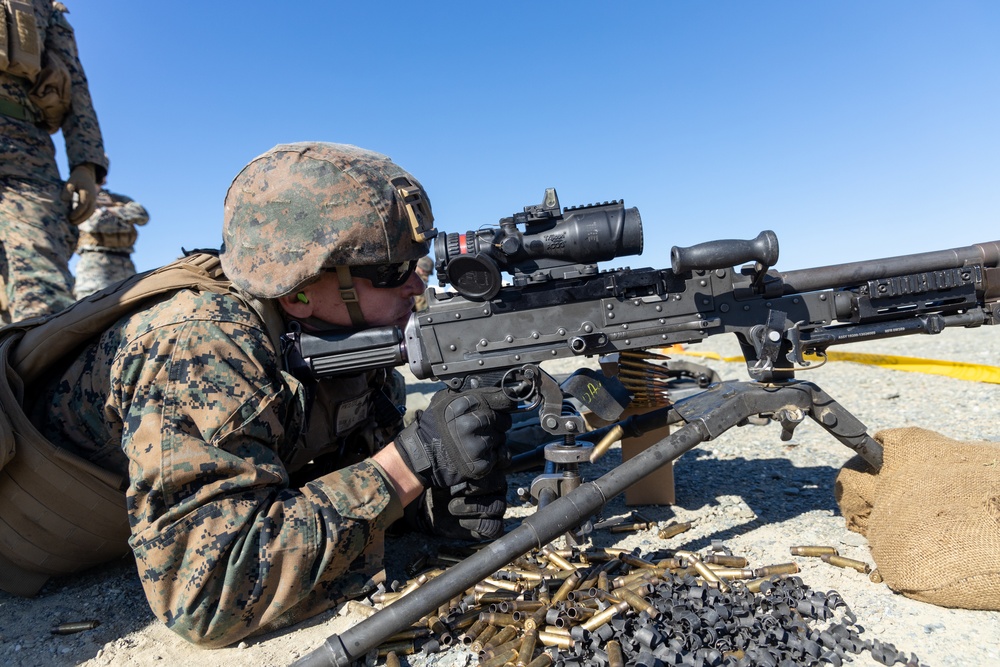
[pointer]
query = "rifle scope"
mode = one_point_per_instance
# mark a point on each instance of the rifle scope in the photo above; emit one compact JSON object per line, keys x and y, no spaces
{"x":554,"y":244}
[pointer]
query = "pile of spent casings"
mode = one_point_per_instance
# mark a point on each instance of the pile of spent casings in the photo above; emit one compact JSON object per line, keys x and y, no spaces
{"x":612,"y":607}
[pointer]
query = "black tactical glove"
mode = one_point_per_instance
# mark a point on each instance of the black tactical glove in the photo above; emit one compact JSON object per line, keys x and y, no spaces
{"x":459,"y":437}
{"x":469,"y":511}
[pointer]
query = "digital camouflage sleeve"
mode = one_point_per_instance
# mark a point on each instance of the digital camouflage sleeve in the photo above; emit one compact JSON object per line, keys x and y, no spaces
{"x":188,"y":396}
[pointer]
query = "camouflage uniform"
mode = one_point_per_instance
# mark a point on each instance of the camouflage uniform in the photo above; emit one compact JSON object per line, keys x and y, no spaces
{"x":107,"y":239}
{"x":251,"y":500}
{"x":425,"y":269}
{"x":36,"y":237}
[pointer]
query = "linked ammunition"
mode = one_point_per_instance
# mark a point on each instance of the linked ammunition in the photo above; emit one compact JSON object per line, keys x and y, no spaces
{"x":813,"y":551}
{"x":840,"y":561}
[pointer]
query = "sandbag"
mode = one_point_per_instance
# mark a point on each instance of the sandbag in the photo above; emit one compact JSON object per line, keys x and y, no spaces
{"x":931,"y":516}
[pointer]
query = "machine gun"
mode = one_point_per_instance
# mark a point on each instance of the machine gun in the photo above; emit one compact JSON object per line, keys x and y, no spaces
{"x":560,"y":305}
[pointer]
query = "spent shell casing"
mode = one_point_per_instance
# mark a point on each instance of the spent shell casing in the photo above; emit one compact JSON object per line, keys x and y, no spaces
{"x":477,"y":645}
{"x":508,"y":633}
{"x":733,"y":572}
{"x":813,"y":551}
{"x":489,"y":652}
{"x":602,"y":617}
{"x":615,"y":657}
{"x":411,"y":633}
{"x":674,"y":529}
{"x":725,"y":561}
{"x":875,"y":576}
{"x":631,"y":527}
{"x":541,"y":660}
{"x":552,"y":639}
{"x":557,"y":560}
{"x":604,"y":444}
{"x":74,"y":627}
{"x":470,"y":635}
{"x":708,"y":575}
{"x":840,"y":561}
{"x":391,"y":659}
{"x":500,"y":660}
{"x":780,"y":568}
{"x":405,"y":648}
{"x":527,"y":648}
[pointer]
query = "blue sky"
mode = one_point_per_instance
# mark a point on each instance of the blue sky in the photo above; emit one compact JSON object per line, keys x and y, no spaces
{"x":854,"y":130}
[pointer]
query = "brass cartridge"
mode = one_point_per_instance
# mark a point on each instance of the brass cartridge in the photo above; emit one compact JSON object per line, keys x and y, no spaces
{"x":615,"y":657}
{"x":637,"y":602}
{"x":562,"y":641}
{"x":602,"y":447}
{"x":412,"y":633}
{"x":635,"y":561}
{"x":499,"y":620}
{"x":813,"y":551}
{"x":489,"y":652}
{"x":542,"y":660}
{"x":74,"y":627}
{"x":875,"y":576}
{"x":631,"y":527}
{"x":391,"y":659}
{"x":771,"y":570}
{"x":527,"y":648}
{"x":733,"y":572}
{"x":557,"y":560}
{"x":470,"y":635}
{"x":406,"y":648}
{"x":675,"y":529}
{"x":500,"y":660}
{"x":708,"y":575}
{"x":569,"y":584}
{"x":725,"y":561}
{"x":602,"y":617}
{"x":537,"y":617}
{"x":840,"y":561}
{"x":484,"y":636}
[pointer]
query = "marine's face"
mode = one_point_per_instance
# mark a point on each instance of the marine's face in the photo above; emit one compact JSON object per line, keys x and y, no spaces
{"x":380,"y":307}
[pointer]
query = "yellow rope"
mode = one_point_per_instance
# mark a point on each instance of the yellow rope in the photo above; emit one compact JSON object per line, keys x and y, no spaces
{"x":953,"y":369}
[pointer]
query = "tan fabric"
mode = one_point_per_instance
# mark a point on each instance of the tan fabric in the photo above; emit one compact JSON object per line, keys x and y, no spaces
{"x":62,"y":514}
{"x":931,"y":516}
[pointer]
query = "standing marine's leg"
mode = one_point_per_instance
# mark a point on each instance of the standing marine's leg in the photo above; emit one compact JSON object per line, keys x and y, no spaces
{"x":36,"y":243}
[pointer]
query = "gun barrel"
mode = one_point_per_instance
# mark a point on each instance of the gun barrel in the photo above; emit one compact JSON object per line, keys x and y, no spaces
{"x":853,"y":273}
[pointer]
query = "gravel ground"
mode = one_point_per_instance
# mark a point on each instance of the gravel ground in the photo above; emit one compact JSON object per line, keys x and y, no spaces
{"x":748,"y":489}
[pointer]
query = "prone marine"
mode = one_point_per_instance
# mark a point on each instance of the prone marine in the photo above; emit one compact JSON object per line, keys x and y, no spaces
{"x":255,"y":498}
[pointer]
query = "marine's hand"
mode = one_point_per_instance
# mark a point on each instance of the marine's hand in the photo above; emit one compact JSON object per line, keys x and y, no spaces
{"x":470,"y":511}
{"x":459,"y":437}
{"x":83,"y":183}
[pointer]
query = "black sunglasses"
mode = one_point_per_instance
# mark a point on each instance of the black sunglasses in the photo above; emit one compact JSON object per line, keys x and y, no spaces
{"x":385,"y":276}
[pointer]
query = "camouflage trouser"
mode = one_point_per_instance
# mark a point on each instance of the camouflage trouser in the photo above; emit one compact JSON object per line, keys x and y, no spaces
{"x":98,"y":269}
{"x":36,"y":243}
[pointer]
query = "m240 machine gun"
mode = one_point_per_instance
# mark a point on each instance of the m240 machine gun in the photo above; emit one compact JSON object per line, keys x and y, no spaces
{"x":559,"y":304}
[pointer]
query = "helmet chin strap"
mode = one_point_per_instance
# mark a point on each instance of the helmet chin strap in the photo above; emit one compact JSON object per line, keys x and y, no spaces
{"x":350,"y":296}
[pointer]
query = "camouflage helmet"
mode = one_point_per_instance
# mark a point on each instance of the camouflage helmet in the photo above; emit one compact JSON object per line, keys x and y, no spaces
{"x":300,"y":209}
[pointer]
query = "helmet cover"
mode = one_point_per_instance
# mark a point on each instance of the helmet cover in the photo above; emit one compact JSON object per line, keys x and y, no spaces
{"x":300,"y":209}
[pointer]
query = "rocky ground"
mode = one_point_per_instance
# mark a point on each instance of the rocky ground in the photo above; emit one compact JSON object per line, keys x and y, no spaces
{"x":747,"y":489}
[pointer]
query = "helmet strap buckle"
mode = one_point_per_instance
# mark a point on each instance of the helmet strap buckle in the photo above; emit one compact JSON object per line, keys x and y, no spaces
{"x":349,"y":296}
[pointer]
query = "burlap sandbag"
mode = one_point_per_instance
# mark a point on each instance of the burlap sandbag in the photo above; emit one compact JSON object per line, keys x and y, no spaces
{"x":931,"y":516}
